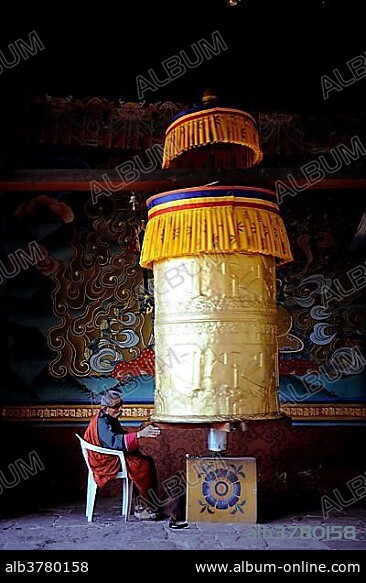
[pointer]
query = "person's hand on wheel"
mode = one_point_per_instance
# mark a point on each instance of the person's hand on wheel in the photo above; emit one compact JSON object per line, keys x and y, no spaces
{"x":149,"y":431}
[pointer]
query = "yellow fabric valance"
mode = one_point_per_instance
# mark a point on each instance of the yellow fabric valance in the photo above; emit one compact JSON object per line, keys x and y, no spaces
{"x":231,"y":133}
{"x":214,"y":220}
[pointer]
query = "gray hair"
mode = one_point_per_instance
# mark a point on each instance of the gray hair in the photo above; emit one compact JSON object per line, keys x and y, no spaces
{"x":109,"y":397}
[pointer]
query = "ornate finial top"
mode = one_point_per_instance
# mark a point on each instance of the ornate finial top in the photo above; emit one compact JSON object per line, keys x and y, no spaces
{"x":210,"y":97}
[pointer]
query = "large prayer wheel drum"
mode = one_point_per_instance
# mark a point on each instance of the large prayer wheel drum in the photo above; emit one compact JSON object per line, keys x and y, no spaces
{"x":213,"y":251}
{"x":216,"y":338}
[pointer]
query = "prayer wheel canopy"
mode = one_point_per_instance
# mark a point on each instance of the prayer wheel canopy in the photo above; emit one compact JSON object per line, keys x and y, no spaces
{"x":212,"y":137}
{"x":214,"y":219}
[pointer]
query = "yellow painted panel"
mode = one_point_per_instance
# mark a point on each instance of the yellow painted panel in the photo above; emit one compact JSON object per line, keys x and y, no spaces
{"x":222,"y":489}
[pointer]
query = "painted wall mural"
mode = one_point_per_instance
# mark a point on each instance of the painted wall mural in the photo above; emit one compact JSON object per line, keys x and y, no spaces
{"x":78,"y":310}
{"x":83,"y":306}
{"x":322,"y":317}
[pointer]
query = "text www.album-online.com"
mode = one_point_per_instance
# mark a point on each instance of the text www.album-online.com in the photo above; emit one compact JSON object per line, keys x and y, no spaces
{"x":301,"y":567}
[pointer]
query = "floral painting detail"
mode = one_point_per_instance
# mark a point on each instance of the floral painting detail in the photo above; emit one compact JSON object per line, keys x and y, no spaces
{"x":35,"y":205}
{"x":221,"y":489}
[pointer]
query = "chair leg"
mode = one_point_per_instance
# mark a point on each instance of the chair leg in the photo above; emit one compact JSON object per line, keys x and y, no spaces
{"x":129,"y":503}
{"x":90,"y":497}
{"x":126,"y":498}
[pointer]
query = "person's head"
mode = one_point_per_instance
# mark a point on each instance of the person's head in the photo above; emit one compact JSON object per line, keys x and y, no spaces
{"x":111,"y":401}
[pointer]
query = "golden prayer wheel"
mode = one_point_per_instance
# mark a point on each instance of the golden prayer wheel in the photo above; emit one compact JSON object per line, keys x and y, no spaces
{"x":213,"y":251}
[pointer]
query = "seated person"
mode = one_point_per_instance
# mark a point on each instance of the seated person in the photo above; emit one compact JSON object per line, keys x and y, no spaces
{"x":105,"y":430}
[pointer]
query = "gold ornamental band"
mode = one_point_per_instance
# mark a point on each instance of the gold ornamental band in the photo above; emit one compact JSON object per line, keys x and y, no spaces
{"x":216,"y":418}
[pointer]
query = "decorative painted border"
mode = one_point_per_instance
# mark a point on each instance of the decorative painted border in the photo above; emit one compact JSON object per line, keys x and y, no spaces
{"x":73,"y":413}
{"x":326,"y":412}
{"x":138,"y":412}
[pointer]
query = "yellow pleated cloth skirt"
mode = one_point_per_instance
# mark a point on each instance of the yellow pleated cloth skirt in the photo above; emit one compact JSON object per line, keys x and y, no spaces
{"x":218,"y":137}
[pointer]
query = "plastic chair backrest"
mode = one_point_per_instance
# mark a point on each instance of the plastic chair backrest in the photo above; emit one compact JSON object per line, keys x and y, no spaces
{"x":85,"y":445}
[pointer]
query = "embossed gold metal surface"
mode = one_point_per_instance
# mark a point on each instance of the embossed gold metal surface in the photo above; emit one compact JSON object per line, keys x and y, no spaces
{"x":216,"y":338}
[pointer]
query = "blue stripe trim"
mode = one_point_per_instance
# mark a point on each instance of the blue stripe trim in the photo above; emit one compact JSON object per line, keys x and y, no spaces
{"x":238,"y":193}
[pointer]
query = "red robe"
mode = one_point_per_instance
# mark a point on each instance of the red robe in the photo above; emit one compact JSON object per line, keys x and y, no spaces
{"x":140,"y":468}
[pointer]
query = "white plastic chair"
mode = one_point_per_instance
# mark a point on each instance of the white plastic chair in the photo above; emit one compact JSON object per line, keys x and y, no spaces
{"x":127,"y":484}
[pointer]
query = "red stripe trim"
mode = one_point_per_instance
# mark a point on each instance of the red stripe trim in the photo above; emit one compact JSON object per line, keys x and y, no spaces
{"x":196,"y":188}
{"x":205,"y":205}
